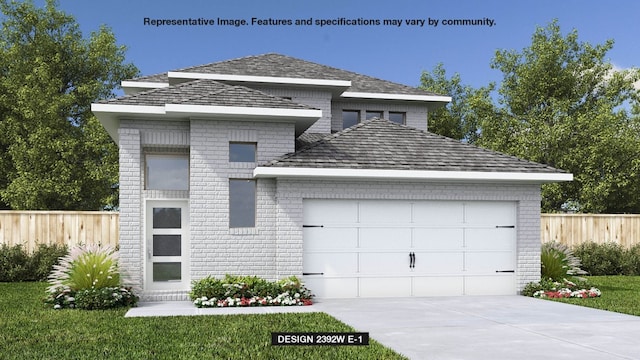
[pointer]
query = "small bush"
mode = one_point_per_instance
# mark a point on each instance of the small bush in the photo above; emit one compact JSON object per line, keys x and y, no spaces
{"x":208,"y":287}
{"x":87,"y":267}
{"x":235,"y":290}
{"x":42,"y":260}
{"x":601,"y":259}
{"x":88,"y":278}
{"x":18,"y":265}
{"x":631,"y":261}
{"x":557,"y":262}
{"x":13,"y":263}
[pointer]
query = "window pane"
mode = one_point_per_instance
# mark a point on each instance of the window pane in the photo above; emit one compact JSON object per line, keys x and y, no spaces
{"x":242,"y":203}
{"x":167,"y":218}
{"x":373,"y":114}
{"x":167,"y":245}
{"x":167,"y":172}
{"x":397,"y":117}
{"x":167,"y":271}
{"x":350,"y":118}
{"x":242,"y":152}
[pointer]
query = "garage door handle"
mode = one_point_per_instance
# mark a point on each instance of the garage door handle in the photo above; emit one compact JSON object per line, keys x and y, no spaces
{"x":310,"y":226}
{"x":505,"y":226}
{"x":505,"y":271}
{"x":312,"y":273}
{"x":412,"y":260}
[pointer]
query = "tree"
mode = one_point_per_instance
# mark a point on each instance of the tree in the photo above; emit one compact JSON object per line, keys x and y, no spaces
{"x":460,"y":119}
{"x":563,"y":105}
{"x":55,"y":154}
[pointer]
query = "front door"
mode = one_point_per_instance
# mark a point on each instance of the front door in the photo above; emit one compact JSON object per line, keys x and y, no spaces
{"x":167,"y":245}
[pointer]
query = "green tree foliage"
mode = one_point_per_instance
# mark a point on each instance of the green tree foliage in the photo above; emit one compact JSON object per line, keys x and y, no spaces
{"x":460,"y":119}
{"x":560,"y":103}
{"x":54,"y":153}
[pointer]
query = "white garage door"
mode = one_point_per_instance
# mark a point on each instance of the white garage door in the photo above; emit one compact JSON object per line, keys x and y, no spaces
{"x":387,"y":248}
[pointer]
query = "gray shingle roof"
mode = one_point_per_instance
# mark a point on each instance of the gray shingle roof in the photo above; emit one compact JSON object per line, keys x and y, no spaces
{"x":206,"y":92}
{"x":382,"y":144}
{"x":277,"y":65}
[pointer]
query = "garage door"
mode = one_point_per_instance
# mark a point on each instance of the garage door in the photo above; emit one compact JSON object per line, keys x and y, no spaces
{"x":371,"y":248}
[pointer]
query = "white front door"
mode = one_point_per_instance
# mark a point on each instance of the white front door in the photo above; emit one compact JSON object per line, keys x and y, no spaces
{"x":167,"y":245}
{"x":370,"y":248}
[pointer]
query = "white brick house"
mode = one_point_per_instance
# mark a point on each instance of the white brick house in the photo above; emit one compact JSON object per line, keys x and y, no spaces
{"x":273,"y":166}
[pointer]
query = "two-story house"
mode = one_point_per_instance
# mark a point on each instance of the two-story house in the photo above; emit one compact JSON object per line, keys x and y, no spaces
{"x":274,"y":166}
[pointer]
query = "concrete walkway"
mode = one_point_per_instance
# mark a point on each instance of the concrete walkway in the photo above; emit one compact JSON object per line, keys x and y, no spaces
{"x":469,"y":327}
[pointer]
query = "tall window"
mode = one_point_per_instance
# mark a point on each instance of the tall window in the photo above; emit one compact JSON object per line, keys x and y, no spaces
{"x":242,"y":152}
{"x":350,"y":118}
{"x":167,"y":172}
{"x":397,"y":117}
{"x":373,"y":114}
{"x":242,"y":203}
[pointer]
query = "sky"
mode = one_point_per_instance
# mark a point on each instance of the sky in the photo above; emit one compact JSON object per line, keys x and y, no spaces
{"x":398,"y":54}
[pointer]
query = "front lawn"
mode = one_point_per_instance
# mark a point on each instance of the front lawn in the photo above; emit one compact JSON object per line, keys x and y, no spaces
{"x":28,"y":330}
{"x":619,"y":293}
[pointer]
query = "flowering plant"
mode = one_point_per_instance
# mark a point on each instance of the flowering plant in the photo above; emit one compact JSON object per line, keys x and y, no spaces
{"x":548,"y":288}
{"x":235,"y":291}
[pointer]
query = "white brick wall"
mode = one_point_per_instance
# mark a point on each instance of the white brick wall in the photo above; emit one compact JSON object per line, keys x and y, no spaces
{"x":315,"y":98}
{"x":217,"y":249}
{"x":131,"y":206}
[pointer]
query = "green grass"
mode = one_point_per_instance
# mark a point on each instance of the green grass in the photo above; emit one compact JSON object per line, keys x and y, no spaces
{"x":619,"y":293}
{"x":28,"y":330}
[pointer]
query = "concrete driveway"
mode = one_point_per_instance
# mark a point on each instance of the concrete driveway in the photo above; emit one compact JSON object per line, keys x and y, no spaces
{"x":465,"y":327}
{"x":490,"y":327}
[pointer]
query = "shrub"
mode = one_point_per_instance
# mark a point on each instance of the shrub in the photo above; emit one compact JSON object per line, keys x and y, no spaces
{"x":631,"y":261}
{"x":13,"y":263}
{"x":88,"y":278}
{"x":557,"y":262}
{"x":17,"y":265}
{"x":235,"y":290}
{"x":208,"y":287}
{"x":87,"y":267}
{"x":601,"y":259}
{"x":42,"y":260}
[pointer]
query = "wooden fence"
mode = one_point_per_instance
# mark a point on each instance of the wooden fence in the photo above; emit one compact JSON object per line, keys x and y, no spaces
{"x":31,"y":228}
{"x":574,"y":229}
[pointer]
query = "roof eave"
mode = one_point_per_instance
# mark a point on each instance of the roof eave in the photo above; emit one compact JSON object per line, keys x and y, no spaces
{"x":418,"y":175}
{"x":109,"y":114}
{"x":402,"y":97}
{"x":133,"y":87}
{"x":338,"y":86}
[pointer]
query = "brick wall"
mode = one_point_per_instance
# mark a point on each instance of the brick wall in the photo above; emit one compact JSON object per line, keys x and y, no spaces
{"x":320,"y":100}
{"x":217,"y":249}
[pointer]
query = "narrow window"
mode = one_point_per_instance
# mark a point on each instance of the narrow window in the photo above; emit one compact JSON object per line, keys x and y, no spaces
{"x":167,"y":172}
{"x":350,"y":118}
{"x":242,"y":152}
{"x":397,"y":117}
{"x":242,"y":203}
{"x":373,"y":114}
